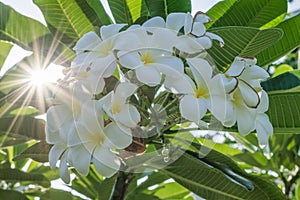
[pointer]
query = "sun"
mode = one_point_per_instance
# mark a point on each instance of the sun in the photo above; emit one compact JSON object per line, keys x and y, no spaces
{"x":38,"y":78}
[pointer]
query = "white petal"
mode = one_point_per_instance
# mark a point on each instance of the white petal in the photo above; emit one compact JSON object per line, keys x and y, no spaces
{"x":198,"y":29}
{"x":173,"y":62}
{"x":57,"y":116}
{"x":263,"y":128}
{"x":179,"y":83}
{"x":245,"y":119}
{"x":104,"y":170}
{"x":190,"y":108}
{"x":117,"y":137}
{"x":175,"y":21}
{"x":155,"y":22}
{"x":129,"y":116}
{"x":110,"y":30}
{"x":63,"y":169}
{"x":55,"y":153}
{"x":215,"y":37}
{"x":201,"y":69}
{"x":237,"y":67}
{"x":131,"y":60}
{"x":125,"y":90}
{"x":202,"y":18}
{"x":148,"y":75}
{"x":230,"y":84}
{"x":254,"y":72}
{"x":264,"y":102}
{"x":204,"y":41}
{"x":105,"y":156}
{"x":88,"y":42}
{"x":188,"y":45}
{"x":188,"y":24}
{"x":250,"y":96}
{"x":80,"y":158}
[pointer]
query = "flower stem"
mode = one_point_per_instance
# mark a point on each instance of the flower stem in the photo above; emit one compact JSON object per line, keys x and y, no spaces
{"x":121,"y":186}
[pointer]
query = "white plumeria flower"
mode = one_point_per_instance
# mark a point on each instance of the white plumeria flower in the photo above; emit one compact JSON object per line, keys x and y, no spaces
{"x":95,"y":58}
{"x":93,"y":142}
{"x":238,"y":111}
{"x":263,"y":126}
{"x":61,"y":122}
{"x":197,"y":96}
{"x":245,"y":75}
{"x":116,"y":107}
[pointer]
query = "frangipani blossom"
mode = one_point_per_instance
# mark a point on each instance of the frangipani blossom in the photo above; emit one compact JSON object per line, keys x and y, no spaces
{"x":146,"y":62}
{"x":93,"y":142}
{"x":96,"y":59}
{"x":116,"y":107}
{"x":263,"y":126}
{"x":245,"y":75}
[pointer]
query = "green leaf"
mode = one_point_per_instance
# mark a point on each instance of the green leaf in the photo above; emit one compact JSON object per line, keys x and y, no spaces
{"x":284,"y":81}
{"x":15,"y":175}
{"x":12,"y":194}
{"x":164,"y":7}
{"x":254,"y":13}
{"x":38,"y":152}
{"x":106,"y":188}
{"x":213,"y":179}
{"x":5,"y":49}
{"x":289,"y":41}
{"x":282,"y":69}
{"x":241,"y":41}
{"x":19,"y":29}
{"x":57,"y":194}
{"x":22,"y":127}
{"x":65,"y":19}
{"x":25,"y":110}
{"x":297,"y":192}
{"x":128,"y":11}
{"x":284,"y":111}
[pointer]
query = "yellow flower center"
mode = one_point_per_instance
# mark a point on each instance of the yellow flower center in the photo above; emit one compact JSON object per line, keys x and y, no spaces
{"x":107,"y":48}
{"x":201,"y":92}
{"x":116,"y":108}
{"x":84,"y":75}
{"x":147,"y":58}
{"x":236,"y":98}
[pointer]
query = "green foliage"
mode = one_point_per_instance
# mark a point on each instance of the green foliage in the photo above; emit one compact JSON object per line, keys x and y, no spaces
{"x":255,"y":28}
{"x":242,"y":41}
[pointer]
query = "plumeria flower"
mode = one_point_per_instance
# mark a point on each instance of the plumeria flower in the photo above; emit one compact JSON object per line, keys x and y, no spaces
{"x":245,"y":75}
{"x":95,"y":57}
{"x":147,"y":65}
{"x":116,"y":107}
{"x":94,"y":142}
{"x":238,"y":111}
{"x":197,"y":94}
{"x":263,"y":126}
{"x":61,"y":122}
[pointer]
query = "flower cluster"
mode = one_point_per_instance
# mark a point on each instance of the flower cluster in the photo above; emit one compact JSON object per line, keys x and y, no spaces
{"x":90,"y":124}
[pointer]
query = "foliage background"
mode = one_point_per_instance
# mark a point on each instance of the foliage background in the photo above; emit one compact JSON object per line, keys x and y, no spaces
{"x":235,"y":169}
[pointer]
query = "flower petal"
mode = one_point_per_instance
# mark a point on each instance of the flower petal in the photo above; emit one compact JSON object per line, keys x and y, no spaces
{"x":80,"y":158}
{"x":172,"y":62}
{"x":188,"y":24}
{"x":104,"y":170}
{"x":63,"y":169}
{"x":148,"y":75}
{"x":110,"y":30}
{"x":249,"y":94}
{"x":129,"y":116}
{"x":213,"y":36}
{"x":175,"y":21}
{"x":155,"y":22}
{"x":198,"y":29}
{"x":106,"y":157}
{"x":131,"y":60}
{"x":201,"y":69}
{"x":201,"y":18}
{"x":55,"y":153}
{"x":245,"y":119}
{"x":87,"y":42}
{"x":263,"y":128}
{"x":190,"y":108}
{"x":205,"y":42}
{"x":117,"y":137}
{"x":254,"y":72}
{"x":237,"y":67}
{"x":264,"y":102}
{"x":125,"y":90}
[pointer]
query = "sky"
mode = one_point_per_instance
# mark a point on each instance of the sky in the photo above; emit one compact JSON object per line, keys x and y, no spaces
{"x":28,"y":8}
